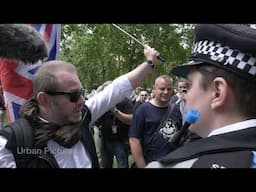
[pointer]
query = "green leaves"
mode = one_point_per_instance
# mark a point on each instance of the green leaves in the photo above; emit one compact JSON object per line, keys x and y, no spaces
{"x":101,"y":52}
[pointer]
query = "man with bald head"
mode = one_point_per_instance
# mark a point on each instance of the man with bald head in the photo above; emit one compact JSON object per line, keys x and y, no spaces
{"x":148,"y":140}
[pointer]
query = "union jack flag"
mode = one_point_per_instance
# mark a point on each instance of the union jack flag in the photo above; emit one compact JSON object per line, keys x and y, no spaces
{"x":16,"y":78}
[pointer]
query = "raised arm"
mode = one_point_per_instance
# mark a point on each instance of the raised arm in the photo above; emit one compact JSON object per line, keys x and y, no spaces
{"x":122,"y":86}
{"x":137,"y":75}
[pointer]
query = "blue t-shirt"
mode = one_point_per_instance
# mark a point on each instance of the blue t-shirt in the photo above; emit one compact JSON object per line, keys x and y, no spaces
{"x":146,"y":119}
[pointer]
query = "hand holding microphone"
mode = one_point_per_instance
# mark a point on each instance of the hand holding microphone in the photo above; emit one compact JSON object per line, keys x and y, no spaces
{"x":191,"y":117}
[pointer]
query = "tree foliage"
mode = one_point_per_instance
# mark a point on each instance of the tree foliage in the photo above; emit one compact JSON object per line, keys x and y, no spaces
{"x":101,"y":52}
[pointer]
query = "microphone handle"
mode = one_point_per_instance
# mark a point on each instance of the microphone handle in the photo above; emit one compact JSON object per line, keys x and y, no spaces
{"x":177,"y":137}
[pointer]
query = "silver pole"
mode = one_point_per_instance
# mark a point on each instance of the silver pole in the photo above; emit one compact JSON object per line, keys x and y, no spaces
{"x":129,"y":35}
{"x":162,"y":59}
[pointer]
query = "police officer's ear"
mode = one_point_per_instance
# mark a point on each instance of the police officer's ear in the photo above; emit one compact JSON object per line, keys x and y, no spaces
{"x":221,"y":93}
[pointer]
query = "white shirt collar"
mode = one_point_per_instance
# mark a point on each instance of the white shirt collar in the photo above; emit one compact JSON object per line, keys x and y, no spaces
{"x":234,"y":127}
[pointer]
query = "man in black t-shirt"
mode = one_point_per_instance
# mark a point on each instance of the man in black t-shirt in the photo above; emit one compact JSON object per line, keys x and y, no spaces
{"x":148,"y":141}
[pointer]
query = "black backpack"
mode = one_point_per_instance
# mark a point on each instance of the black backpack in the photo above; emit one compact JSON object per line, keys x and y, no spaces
{"x":23,"y":137}
{"x":20,"y":137}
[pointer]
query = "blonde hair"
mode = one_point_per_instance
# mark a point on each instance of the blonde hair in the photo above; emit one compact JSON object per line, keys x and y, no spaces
{"x":165,"y":77}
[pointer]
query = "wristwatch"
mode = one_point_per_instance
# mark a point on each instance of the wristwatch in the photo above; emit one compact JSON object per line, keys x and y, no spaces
{"x":150,"y":62}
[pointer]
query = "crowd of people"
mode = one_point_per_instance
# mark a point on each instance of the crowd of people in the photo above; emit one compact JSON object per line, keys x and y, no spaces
{"x":121,"y":119}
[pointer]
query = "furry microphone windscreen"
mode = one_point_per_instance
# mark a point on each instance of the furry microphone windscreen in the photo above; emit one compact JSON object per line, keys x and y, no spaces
{"x":21,"y":42}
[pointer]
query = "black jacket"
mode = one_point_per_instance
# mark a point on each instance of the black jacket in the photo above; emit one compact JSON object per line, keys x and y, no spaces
{"x":230,"y":150}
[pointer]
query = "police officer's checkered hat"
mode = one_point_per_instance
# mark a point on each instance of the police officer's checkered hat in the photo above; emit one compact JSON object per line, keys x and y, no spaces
{"x":228,"y":46}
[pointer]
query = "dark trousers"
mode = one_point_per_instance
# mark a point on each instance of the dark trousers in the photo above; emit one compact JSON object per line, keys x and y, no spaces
{"x":118,"y":149}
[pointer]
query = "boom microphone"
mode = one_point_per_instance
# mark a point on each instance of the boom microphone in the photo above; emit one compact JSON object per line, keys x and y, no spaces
{"x":21,"y":42}
{"x":191,"y":117}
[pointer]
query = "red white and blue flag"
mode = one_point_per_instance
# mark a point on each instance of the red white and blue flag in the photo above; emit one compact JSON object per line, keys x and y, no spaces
{"x":16,"y":78}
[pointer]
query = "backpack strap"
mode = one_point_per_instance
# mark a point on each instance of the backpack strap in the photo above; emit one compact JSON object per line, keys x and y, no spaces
{"x":163,"y":120}
{"x":166,"y":115}
{"x":20,"y":136}
{"x":23,"y":133}
{"x":87,"y":138}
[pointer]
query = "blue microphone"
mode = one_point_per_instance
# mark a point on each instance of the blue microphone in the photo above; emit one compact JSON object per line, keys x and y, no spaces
{"x":191,"y":117}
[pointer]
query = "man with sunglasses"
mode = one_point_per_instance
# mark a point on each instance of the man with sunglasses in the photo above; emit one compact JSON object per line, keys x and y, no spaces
{"x":57,"y":119}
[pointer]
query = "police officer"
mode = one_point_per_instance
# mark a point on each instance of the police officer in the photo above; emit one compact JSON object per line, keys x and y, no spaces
{"x":222,"y":78}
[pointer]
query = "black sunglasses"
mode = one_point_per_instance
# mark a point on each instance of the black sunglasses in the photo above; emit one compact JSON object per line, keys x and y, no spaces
{"x":73,"y":96}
